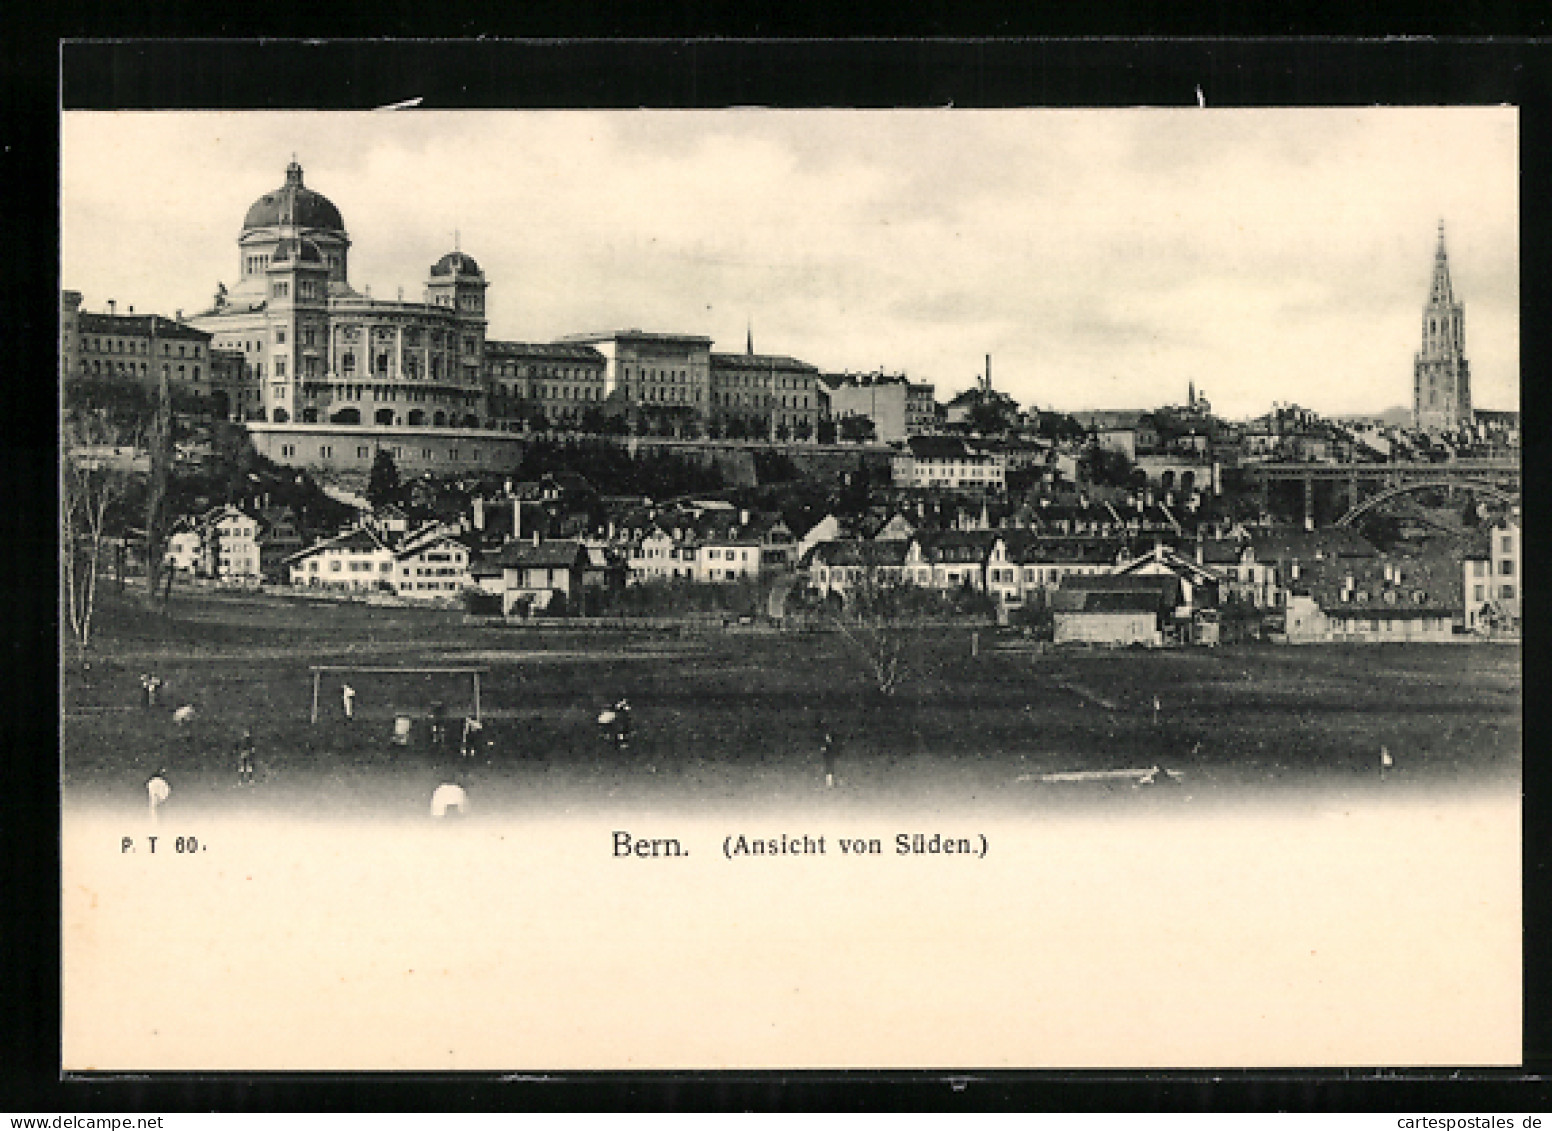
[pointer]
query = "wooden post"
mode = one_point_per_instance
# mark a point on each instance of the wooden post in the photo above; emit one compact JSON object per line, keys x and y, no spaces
{"x":476,"y":696}
{"x":317,"y":677}
{"x":975,"y":644}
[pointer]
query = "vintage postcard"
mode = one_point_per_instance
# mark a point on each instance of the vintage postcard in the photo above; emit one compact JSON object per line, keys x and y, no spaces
{"x":746,"y":589}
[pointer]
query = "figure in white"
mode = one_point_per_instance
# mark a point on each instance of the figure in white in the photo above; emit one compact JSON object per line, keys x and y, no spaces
{"x":449,"y":795}
{"x":348,"y":700}
{"x":158,"y":790}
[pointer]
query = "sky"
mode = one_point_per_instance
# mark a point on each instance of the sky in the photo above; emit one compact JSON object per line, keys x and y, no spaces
{"x":1103,"y":258}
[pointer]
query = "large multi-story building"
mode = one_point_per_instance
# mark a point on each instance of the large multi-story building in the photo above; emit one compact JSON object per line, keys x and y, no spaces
{"x":556,"y":383}
{"x":1441,"y":377}
{"x":315,"y":350}
{"x":768,"y":395}
{"x":948,"y":463}
{"x":667,"y":376}
{"x":140,"y":349}
{"x":898,"y":407}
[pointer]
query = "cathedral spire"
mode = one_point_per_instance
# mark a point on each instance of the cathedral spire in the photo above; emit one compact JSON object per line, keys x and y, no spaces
{"x":1441,"y":381}
{"x":1441,"y":293}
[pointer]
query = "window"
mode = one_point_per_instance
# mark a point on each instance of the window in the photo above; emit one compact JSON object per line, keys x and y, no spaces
{"x":280,"y":367}
{"x":362,"y":452}
{"x":1476,"y":593}
{"x":325,"y":451}
{"x":1507,"y":542}
{"x":1506,"y":568}
{"x":280,"y":336}
{"x":1507,"y":592}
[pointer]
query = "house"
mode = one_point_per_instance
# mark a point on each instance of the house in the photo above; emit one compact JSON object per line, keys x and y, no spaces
{"x":185,"y":545}
{"x":1115,"y":610}
{"x":354,"y":561}
{"x":949,"y":560}
{"x":897,"y":529}
{"x":1200,"y":585}
{"x":732,"y":544}
{"x":280,"y":536}
{"x":660,"y":556}
{"x":1243,"y":579}
{"x":1492,"y":583}
{"x":537,"y":574}
{"x":724,"y":557}
{"x":844,"y":566}
{"x":948,"y":463}
{"x":1023,"y":565}
{"x":1388,"y":624}
{"x":390,"y":520}
{"x":230,"y":547}
{"x":431,"y":564}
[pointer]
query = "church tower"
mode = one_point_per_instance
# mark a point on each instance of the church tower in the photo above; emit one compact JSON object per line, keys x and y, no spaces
{"x":1441,"y":378}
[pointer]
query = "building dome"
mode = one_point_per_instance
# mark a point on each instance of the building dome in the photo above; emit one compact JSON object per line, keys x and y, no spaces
{"x":294,"y":204}
{"x":456,"y":263}
{"x":298,"y":250}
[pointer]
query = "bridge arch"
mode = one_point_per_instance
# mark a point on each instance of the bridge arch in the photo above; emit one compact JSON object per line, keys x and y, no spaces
{"x":1376,"y":501}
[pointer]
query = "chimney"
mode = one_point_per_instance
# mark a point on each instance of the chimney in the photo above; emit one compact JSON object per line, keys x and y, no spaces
{"x":988,"y":373}
{"x":113,"y":307}
{"x":743,"y":518}
{"x":132,"y":310}
{"x":479,"y":513}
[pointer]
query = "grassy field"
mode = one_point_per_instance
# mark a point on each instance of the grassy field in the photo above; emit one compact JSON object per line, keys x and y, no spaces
{"x":734,"y":719}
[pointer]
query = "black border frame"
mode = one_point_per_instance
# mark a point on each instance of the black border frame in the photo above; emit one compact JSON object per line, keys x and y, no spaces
{"x":360,"y":74}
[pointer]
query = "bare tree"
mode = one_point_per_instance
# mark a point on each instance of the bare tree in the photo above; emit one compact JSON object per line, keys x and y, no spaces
{"x":92,"y":482}
{"x":870,"y":617}
{"x":160,"y":442}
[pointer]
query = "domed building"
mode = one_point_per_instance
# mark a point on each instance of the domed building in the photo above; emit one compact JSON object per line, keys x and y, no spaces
{"x":314,"y":350}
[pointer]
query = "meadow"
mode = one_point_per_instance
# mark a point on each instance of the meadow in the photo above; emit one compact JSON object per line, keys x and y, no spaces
{"x":735,"y":718}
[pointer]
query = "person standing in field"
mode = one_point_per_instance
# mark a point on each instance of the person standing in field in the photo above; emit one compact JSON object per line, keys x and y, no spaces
{"x":348,"y":700}
{"x":157,"y":790}
{"x":471,"y":737}
{"x":245,"y":757}
{"x":150,"y":685}
{"x":827,"y":751}
{"x":622,"y":725}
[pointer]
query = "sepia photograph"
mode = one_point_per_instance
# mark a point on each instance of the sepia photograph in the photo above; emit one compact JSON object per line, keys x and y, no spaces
{"x":558,"y":590}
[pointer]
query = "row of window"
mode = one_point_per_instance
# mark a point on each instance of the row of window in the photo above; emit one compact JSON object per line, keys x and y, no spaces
{"x":1479,"y":592}
{"x":138,"y":345}
{"x":363,"y":451}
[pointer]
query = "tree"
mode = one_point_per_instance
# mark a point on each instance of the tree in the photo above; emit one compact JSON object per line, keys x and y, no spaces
{"x":869,"y":618}
{"x":1107,"y":467}
{"x":827,"y":431}
{"x":989,"y":417}
{"x":802,"y":430}
{"x":783,"y":433}
{"x":383,"y":486}
{"x":89,"y":489}
{"x":538,"y":421}
{"x":858,"y":429}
